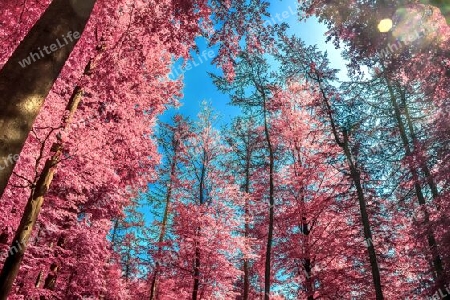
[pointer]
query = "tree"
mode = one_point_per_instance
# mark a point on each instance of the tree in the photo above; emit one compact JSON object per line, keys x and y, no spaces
{"x":171,"y":138}
{"x":104,"y":113}
{"x":306,"y":64}
{"x":244,"y":139}
{"x":398,"y":116}
{"x":203,"y":264}
{"x":33,"y":207}
{"x":20,"y":104}
{"x":318,"y":235}
{"x":251,"y":73}
{"x":193,"y":17}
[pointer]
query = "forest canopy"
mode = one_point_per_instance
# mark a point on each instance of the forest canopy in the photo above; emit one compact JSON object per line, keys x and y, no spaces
{"x":317,"y":166}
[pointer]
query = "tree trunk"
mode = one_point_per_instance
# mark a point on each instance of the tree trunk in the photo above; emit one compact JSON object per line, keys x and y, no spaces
{"x":247,"y":226}
{"x":196,"y":268}
{"x":305,"y":227}
{"x":425,"y":169}
{"x":356,"y":178}
{"x":50,"y":281}
{"x":68,"y":284}
{"x":127,"y":264}
{"x":267,"y":271}
{"x":24,"y":89}
{"x":114,"y":233}
{"x":38,"y":280}
{"x":163,"y":225}
{"x":307,"y":262}
{"x":197,"y":242}
{"x":436,"y":258}
{"x":33,"y":207}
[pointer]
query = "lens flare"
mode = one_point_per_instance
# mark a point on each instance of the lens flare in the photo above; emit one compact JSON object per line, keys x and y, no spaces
{"x":385,"y":25}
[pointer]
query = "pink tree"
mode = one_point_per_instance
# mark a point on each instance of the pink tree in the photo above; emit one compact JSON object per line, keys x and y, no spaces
{"x":97,"y":108}
{"x":204,"y":266}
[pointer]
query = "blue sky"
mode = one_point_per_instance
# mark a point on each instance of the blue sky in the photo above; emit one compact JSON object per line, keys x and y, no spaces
{"x":198,"y":85}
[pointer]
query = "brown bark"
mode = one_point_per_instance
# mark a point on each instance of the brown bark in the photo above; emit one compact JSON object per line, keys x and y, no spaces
{"x":33,"y":206}
{"x":24,"y":89}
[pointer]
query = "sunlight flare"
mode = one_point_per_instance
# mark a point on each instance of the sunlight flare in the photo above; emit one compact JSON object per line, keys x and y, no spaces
{"x":385,"y":25}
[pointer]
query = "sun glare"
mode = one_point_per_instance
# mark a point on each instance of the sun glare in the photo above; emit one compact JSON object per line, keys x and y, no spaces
{"x":385,"y":25}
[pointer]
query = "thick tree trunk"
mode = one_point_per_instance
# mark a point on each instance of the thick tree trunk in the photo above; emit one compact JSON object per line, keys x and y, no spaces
{"x":23,"y":88}
{"x":33,"y":207}
{"x":4,"y":238}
